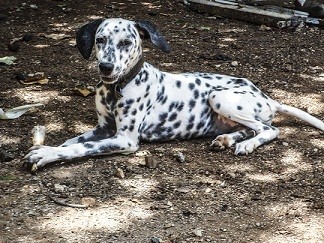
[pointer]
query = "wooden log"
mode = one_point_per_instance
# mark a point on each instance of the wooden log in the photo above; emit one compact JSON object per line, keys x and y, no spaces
{"x":240,"y":12}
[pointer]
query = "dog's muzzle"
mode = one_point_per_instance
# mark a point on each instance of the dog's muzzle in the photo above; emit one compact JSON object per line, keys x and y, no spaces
{"x":106,"y":70}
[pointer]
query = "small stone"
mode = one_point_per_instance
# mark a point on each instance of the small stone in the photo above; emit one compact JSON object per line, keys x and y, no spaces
{"x":234,"y":63}
{"x":180,"y":157}
{"x":160,"y":150}
{"x":88,"y":201}
{"x":59,"y":188}
{"x":155,"y":240}
{"x":5,"y":156}
{"x":198,"y":232}
{"x":120,"y":173}
{"x":208,"y":190}
{"x":27,"y":37}
{"x":151,"y":162}
{"x":285,"y":144}
{"x":264,"y":28}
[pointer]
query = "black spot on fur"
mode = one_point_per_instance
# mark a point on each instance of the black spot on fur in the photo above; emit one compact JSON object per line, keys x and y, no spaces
{"x":192,"y":118}
{"x":192,"y":104}
{"x":191,"y":86}
{"x":254,"y":88}
{"x":239,"y":107}
{"x":180,"y":106}
{"x":120,"y":105}
{"x":177,"y":124}
{"x":163,"y":116}
{"x":196,"y":93}
{"x":200,"y":125}
{"x":173,"y":116}
{"x":164,"y":100}
{"x":198,"y":81}
{"x":240,"y":81}
{"x":88,"y":145}
{"x":190,"y":126}
{"x":178,"y":84}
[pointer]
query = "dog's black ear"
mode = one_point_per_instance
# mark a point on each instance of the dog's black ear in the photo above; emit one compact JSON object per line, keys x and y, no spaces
{"x":85,"y":37}
{"x":151,"y":32}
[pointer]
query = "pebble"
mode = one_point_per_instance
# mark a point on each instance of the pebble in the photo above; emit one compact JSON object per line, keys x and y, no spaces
{"x":151,"y":162}
{"x":5,"y":156}
{"x":264,"y":28}
{"x":234,"y":63}
{"x":88,"y":201}
{"x":59,"y":187}
{"x":285,"y":144}
{"x":180,"y":157}
{"x":155,"y":240}
{"x":27,"y":37}
{"x":120,"y":173}
{"x":198,"y":232}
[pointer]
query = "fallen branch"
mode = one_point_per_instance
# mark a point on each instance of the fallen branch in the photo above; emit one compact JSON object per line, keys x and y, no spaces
{"x":62,"y":203}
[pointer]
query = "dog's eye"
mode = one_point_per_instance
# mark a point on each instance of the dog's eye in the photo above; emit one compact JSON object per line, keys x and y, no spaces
{"x":124,"y":43}
{"x":100,"y":40}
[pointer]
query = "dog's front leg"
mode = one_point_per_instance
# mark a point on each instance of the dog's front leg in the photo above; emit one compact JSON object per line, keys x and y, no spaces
{"x":96,"y":134}
{"x":43,"y":155}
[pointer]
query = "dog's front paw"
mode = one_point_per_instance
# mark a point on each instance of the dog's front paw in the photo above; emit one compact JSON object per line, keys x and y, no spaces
{"x":39,"y":156}
{"x":245,"y":147}
{"x":221,"y":142}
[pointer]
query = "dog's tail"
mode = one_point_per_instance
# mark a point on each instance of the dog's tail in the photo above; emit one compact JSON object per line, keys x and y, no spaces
{"x":289,"y":110}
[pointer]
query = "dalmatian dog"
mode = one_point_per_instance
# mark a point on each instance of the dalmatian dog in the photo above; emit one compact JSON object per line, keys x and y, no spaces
{"x":137,"y":102}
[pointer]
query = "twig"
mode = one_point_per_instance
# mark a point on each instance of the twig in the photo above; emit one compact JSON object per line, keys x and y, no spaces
{"x":62,"y":203}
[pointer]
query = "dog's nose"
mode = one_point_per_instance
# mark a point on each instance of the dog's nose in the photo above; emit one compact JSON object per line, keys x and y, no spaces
{"x":106,"y":68}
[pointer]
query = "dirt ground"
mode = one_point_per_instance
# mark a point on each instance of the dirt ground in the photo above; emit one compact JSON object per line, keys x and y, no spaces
{"x":275,"y":194}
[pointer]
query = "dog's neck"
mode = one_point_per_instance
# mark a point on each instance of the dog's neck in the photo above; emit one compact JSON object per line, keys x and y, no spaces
{"x":124,"y":80}
{"x":114,"y":90}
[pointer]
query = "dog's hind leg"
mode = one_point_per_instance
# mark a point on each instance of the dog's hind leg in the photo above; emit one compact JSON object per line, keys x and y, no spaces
{"x":251,"y":109}
{"x":224,"y":141}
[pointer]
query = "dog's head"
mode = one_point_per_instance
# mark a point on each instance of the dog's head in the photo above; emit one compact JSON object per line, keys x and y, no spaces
{"x":118,"y":44}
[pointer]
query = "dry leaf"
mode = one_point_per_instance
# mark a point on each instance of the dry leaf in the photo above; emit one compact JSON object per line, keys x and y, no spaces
{"x":8,"y":60}
{"x":16,"y":112}
{"x":84,"y":91}
{"x":37,"y":78}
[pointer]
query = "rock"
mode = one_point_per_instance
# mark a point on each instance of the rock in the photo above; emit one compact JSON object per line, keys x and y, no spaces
{"x":27,"y":37}
{"x":155,"y":240}
{"x":88,"y":201}
{"x":198,"y":232}
{"x":180,"y":157}
{"x":5,"y":156}
{"x":264,"y":28}
{"x":59,"y":187}
{"x":151,"y":162}
{"x":234,"y":63}
{"x":285,"y":144}
{"x":120,"y":173}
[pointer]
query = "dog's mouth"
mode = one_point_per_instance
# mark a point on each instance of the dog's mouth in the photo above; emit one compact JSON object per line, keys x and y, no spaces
{"x":109,"y":79}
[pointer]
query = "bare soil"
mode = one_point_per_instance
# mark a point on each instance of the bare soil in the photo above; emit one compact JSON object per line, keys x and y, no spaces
{"x":275,"y":194}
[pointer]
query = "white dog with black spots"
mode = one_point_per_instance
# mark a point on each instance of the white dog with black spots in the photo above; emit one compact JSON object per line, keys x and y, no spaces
{"x":137,"y":102}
